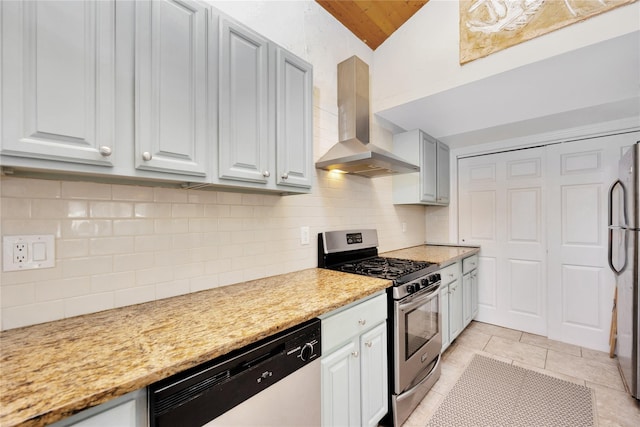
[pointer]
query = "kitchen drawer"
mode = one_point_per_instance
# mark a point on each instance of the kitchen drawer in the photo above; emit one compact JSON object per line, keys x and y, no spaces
{"x":351,"y":322}
{"x":469,"y":264}
{"x":450,"y":273}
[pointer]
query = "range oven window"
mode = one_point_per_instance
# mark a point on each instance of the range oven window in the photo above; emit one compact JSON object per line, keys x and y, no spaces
{"x":421,"y":325}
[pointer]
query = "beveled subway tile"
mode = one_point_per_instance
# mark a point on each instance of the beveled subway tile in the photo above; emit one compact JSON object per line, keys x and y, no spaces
{"x":15,"y":208}
{"x":110,"y":210}
{"x":75,"y":267}
{"x":152,"y":210}
{"x":202,"y":196}
{"x":517,"y":351}
{"x":151,"y":276}
{"x":31,"y":226}
{"x":33,"y":188}
{"x":110,"y":245}
{"x":544,"y":342}
{"x":112,"y":281}
{"x":51,"y":290}
{"x":21,"y":294}
{"x":72,"y":248}
{"x":172,"y":288}
{"x":85,"y":190}
{"x":135,"y":295}
{"x":31,"y":314}
{"x":133,"y":227}
{"x":132,"y":262}
{"x":170,"y":195}
{"x":187,"y":210}
{"x":86,"y":228}
{"x":202,"y":283}
{"x":591,"y":370}
{"x":88,"y":304}
{"x":132,"y":193}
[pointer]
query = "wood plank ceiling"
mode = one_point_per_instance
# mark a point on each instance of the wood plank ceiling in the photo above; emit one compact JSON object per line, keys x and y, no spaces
{"x":372,"y":21}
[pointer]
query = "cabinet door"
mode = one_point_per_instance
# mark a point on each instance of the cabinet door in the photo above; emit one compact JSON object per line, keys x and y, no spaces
{"x":466,"y":299}
{"x":455,"y":309}
{"x":294,"y":143}
{"x":428,"y":172}
{"x":244,"y":143}
{"x":58,"y":80}
{"x":474,"y":293}
{"x":444,"y":309}
{"x":373,"y":375}
{"x":171,"y":86}
{"x":129,"y":410}
{"x":443,"y":173}
{"x":341,"y":387}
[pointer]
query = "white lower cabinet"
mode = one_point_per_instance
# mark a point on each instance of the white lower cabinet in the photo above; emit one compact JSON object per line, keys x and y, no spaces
{"x":458,"y":298}
{"x":470,"y":288}
{"x":354,"y":364}
{"x":129,"y":410}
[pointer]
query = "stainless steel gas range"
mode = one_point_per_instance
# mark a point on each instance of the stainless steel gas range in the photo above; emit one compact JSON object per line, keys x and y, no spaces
{"x":414,"y":325}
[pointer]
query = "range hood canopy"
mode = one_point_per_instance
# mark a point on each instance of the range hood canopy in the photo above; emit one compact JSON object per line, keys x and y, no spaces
{"x":354,"y":154}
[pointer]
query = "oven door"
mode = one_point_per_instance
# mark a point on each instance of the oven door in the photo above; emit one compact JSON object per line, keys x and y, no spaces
{"x":417,"y":336}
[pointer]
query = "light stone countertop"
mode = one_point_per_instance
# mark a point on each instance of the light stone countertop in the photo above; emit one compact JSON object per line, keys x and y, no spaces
{"x":53,"y":370}
{"x":439,"y":254}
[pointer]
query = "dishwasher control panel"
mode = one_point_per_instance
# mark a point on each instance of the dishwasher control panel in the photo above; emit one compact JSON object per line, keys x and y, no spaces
{"x":196,"y":396}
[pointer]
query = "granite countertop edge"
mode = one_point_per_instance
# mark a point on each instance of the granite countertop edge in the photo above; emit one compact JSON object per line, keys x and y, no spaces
{"x":40,"y":364}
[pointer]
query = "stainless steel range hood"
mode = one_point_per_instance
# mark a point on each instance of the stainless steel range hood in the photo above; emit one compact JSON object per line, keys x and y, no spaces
{"x":354,"y":154}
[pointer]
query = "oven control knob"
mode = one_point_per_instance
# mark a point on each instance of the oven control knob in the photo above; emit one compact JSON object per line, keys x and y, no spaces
{"x":411,"y":289}
{"x":436,"y":277}
{"x":306,"y":352}
{"x":425,"y":282}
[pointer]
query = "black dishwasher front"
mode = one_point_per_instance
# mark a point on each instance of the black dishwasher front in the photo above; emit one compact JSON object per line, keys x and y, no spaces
{"x":198,"y":395}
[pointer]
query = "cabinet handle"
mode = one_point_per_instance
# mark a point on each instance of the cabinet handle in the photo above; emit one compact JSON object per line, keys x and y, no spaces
{"x":355,"y":354}
{"x":285,"y":175}
{"x":368,"y":344}
{"x":105,"y":150}
{"x":362,"y":322}
{"x":266,"y":174}
{"x":146,"y":156}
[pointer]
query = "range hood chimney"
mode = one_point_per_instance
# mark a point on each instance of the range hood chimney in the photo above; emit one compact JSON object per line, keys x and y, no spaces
{"x":354,"y":154}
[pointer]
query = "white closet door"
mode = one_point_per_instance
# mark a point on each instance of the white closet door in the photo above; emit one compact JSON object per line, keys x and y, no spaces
{"x":581,"y":284}
{"x":502,"y":210}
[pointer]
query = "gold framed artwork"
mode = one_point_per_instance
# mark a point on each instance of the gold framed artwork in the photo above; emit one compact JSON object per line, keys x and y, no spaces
{"x":488,"y":26}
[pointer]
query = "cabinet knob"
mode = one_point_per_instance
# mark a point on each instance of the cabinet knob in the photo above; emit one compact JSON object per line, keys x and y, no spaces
{"x":368,"y":344}
{"x":266,"y":174}
{"x":355,"y":354}
{"x":146,"y":156}
{"x":362,"y":322}
{"x":285,"y":175}
{"x":105,"y":150}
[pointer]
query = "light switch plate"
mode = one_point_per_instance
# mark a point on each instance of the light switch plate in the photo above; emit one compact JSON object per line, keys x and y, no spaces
{"x":28,"y":252}
{"x":304,"y":235}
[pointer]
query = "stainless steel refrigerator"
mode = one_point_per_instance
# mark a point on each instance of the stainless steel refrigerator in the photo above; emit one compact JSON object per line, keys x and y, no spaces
{"x":624,"y":234}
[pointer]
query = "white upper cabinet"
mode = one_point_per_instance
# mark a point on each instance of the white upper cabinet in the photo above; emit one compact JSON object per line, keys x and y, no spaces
{"x":152,"y":91}
{"x":58,"y":80}
{"x":294,"y":123}
{"x":244,"y":105}
{"x":171,"y":86}
{"x":430,"y":186}
{"x":265,"y":134}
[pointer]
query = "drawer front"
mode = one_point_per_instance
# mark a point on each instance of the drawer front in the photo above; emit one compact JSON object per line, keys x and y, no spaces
{"x":351,"y":322}
{"x":469,"y":264}
{"x":450,"y":273}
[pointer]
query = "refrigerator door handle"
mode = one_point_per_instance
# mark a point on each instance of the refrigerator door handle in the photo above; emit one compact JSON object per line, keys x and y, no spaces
{"x":624,"y":213}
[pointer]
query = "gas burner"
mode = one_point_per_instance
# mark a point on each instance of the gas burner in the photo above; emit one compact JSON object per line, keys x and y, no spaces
{"x":384,"y":268}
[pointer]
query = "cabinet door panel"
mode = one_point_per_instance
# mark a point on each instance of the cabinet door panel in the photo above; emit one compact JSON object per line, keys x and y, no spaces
{"x":341,"y":387}
{"x":455,"y":309}
{"x":244,"y":105}
{"x":443,"y":173}
{"x":171,"y":86}
{"x":466,"y":299}
{"x":428,"y":172}
{"x":58,"y":80}
{"x":373,"y":347}
{"x":444,"y":308}
{"x":294,"y":91}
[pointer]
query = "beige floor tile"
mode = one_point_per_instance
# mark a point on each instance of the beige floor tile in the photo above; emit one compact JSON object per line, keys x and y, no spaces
{"x":517,"y":351}
{"x":545,"y":342}
{"x":473,"y":338}
{"x":591,"y":370}
{"x":498,"y":331}
{"x":599,"y":356}
{"x":616,"y":408}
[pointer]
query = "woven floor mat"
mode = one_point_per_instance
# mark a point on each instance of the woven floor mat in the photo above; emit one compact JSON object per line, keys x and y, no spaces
{"x":494,"y":393}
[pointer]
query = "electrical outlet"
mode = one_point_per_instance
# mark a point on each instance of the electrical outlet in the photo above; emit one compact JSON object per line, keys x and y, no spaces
{"x":28,"y":252}
{"x":19,"y":253}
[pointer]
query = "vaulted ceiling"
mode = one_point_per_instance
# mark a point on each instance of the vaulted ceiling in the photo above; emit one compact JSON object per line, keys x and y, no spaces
{"x":372,"y":21}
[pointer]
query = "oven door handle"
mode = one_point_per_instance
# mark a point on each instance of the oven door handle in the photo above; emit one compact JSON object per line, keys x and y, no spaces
{"x":416,"y":300}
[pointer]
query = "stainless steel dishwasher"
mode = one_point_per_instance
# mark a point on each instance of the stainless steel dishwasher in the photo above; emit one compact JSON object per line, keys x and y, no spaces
{"x":274,"y":382}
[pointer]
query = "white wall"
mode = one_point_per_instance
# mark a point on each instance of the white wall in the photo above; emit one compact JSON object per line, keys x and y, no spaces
{"x":119,"y":245}
{"x":422,"y":57}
